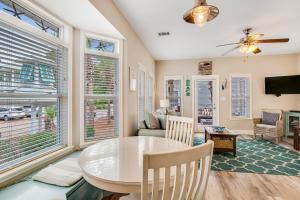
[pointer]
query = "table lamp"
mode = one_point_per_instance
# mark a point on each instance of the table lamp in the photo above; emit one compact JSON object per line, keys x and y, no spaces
{"x":165,"y":103}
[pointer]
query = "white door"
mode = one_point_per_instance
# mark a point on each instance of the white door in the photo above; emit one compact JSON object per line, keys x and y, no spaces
{"x":205,"y":101}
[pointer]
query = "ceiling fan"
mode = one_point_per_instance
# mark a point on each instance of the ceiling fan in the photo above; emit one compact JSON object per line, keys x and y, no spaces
{"x":249,"y":43}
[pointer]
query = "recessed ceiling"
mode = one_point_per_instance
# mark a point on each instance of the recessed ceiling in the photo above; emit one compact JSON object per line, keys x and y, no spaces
{"x":80,"y":14}
{"x":274,"y":18}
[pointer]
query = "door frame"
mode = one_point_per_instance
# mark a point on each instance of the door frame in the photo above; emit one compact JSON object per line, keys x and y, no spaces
{"x":206,"y":77}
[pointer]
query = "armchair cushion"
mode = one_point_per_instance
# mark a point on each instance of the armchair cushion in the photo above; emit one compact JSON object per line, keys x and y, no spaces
{"x":270,"y":118}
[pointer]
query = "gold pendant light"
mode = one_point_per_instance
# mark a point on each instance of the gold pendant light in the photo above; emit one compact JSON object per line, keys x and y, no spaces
{"x":201,"y":13}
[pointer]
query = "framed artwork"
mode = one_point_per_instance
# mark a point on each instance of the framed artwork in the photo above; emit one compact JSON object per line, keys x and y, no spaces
{"x":187,"y":88}
{"x":205,"y":68}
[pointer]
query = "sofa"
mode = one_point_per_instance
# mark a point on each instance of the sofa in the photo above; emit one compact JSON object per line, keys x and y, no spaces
{"x":153,"y":125}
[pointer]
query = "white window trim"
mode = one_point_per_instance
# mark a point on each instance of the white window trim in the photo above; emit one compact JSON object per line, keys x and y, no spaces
{"x":142,"y":68}
{"x":65,"y":40}
{"x":233,"y":118}
{"x":65,"y":37}
{"x":151,"y":76}
{"x":176,"y":77}
{"x":118,"y":54}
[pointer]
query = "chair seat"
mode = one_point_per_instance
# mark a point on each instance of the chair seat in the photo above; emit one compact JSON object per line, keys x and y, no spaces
{"x":265,"y":126}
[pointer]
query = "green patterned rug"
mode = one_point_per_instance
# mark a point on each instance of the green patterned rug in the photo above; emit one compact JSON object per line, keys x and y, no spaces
{"x":259,"y":156}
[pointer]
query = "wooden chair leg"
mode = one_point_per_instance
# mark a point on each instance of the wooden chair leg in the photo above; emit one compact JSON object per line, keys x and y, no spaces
{"x":277,"y":140}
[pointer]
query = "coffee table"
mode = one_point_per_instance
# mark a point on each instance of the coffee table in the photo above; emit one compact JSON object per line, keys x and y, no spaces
{"x":223,"y":141}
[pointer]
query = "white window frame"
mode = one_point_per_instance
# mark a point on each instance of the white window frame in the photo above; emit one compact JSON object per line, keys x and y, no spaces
{"x":150,"y":76}
{"x":176,"y":77}
{"x":143,"y":69}
{"x":117,"y":54}
{"x":66,"y":40}
{"x":250,"y":95}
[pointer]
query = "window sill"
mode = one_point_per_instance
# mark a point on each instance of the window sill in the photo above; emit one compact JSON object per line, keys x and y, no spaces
{"x":13,"y":175}
{"x":91,"y":142}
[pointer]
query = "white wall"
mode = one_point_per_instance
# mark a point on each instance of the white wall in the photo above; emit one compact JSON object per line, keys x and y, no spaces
{"x":259,"y":67}
{"x":135,"y":54}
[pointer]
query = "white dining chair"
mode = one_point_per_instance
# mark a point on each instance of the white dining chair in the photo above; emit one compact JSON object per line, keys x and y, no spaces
{"x":178,"y":175}
{"x":180,"y":129}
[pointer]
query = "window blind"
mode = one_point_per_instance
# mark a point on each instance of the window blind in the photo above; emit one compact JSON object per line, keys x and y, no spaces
{"x":240,"y":97}
{"x":141,"y":95}
{"x":101,"y":97}
{"x":33,"y":96}
{"x":150,"y":95}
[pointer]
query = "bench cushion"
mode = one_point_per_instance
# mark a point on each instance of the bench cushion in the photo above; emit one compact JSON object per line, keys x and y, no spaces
{"x":64,"y":173}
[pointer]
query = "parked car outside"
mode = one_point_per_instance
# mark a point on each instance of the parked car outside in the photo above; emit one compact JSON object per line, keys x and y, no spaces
{"x":27,"y":110}
{"x":11,"y":113}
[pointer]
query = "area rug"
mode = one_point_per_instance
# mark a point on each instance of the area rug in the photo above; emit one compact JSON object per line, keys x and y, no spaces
{"x":258,"y":156}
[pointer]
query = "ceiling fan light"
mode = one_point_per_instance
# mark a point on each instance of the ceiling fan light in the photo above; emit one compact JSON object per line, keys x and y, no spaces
{"x":248,"y":48}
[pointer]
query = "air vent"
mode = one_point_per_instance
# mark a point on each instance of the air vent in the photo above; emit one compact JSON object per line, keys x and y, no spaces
{"x":163,"y":34}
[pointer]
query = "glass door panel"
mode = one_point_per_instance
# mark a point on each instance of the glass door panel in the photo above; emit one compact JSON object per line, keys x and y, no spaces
{"x":205,"y":103}
{"x":173,"y":93}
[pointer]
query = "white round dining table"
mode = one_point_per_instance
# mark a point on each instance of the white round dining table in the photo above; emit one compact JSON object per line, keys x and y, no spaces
{"x":116,"y":164}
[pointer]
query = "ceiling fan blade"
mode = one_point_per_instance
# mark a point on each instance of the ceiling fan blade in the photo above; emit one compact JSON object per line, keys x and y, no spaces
{"x":255,"y":37}
{"x":228,"y":44}
{"x":230,"y":50}
{"x":273,"y":40}
{"x":257,"y":51}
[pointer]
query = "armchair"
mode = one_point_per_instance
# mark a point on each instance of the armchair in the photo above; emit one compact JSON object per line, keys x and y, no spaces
{"x":270,"y":124}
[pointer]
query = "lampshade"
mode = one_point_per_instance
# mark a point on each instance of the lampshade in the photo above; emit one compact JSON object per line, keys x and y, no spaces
{"x":201,"y":13}
{"x":164,"y":103}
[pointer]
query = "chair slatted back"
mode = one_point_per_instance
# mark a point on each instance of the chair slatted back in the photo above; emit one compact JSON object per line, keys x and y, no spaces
{"x":181,"y":175}
{"x":180,"y":129}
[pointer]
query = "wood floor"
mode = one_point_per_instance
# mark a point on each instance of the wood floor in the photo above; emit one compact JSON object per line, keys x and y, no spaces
{"x":249,"y":186}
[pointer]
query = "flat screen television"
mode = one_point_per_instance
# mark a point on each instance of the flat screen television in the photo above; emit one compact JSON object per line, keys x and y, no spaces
{"x":282,"y":85}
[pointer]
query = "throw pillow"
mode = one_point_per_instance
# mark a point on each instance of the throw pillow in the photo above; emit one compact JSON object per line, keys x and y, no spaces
{"x":142,"y":125}
{"x":270,"y":118}
{"x":151,"y":121}
{"x":162,"y":119}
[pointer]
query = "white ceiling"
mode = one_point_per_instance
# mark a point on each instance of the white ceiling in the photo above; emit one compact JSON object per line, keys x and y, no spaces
{"x":274,"y":18}
{"x":80,"y":14}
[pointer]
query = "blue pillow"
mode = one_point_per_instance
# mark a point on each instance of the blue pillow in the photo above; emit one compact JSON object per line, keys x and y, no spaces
{"x":270,"y":118}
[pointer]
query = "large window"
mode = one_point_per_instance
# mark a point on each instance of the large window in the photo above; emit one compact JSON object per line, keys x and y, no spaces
{"x":150,"y":95}
{"x":241,"y":97}
{"x":141,"y":95}
{"x":173,"y":92}
{"x":33,"y":96}
{"x":101,"y":90}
